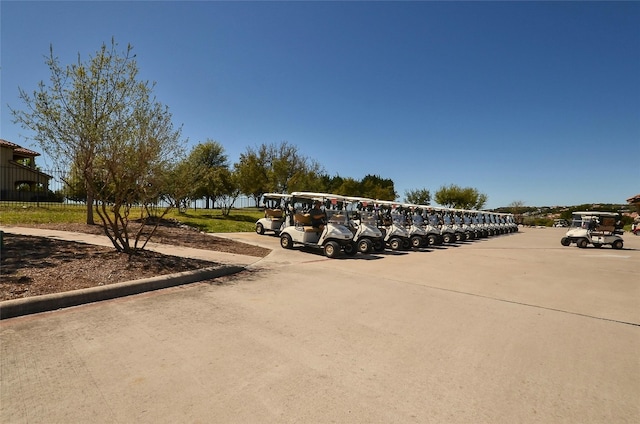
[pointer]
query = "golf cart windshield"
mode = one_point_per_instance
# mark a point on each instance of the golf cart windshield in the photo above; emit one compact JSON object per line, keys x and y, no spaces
{"x":397,"y":218}
{"x":368,"y":217}
{"x":447,"y":219}
{"x":434,"y":220}
{"x":418,"y":220}
{"x":336,"y":217}
{"x":580,"y":221}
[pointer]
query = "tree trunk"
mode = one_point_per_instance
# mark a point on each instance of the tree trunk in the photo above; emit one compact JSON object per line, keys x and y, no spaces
{"x":90,"y":220}
{"x":90,"y":213}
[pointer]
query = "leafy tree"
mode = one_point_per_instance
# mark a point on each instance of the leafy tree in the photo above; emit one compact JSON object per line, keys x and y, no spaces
{"x":96,"y":117}
{"x":130,"y":175}
{"x":348,"y":187}
{"x":332,"y":184}
{"x":287,"y":169}
{"x":308,"y":179}
{"x":278,"y":168}
{"x":418,"y":196}
{"x":376,"y":187}
{"x":251,"y":172}
{"x":229,"y":190}
{"x":453,"y":196}
{"x":209,"y":167}
{"x":77,"y":111}
{"x":179,"y":186}
{"x":74,"y":186}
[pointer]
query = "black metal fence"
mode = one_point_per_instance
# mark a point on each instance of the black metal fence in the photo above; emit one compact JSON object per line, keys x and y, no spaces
{"x":23,"y":186}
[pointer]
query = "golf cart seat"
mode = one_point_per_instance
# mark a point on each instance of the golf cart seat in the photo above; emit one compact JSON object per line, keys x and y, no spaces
{"x":606,"y":225}
{"x":304,"y":221}
{"x":273,"y":213}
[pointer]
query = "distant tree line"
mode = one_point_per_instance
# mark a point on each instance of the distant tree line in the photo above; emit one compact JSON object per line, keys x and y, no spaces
{"x":205,"y":173}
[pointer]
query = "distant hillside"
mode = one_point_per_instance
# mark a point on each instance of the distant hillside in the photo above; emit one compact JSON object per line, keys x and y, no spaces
{"x":545,"y":215}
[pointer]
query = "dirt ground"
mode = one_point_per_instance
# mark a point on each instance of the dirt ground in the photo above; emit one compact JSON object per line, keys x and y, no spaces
{"x":32,"y":266}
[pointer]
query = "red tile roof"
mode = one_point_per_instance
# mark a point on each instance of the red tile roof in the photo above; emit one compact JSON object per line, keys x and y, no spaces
{"x":18,"y":149}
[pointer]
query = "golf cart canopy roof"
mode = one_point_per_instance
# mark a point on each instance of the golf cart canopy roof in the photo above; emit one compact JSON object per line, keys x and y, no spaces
{"x":358,"y":199}
{"x":317,"y":196}
{"x":276,"y":196}
{"x":594,"y":213}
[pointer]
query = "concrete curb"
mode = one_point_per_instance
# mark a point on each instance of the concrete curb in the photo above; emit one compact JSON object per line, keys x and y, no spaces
{"x":49,"y":302}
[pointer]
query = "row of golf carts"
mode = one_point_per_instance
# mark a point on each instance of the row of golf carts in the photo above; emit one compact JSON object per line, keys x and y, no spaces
{"x":348,"y":224}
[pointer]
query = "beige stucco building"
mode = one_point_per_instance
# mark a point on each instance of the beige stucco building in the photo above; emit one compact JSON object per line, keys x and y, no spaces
{"x":19,"y":177}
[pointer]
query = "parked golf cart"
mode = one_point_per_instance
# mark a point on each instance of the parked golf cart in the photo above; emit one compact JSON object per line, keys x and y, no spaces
{"x":327,"y":230}
{"x":363,"y":223}
{"x":596,"y":228}
{"x":392,"y":224}
{"x":467,"y":224}
{"x":447,"y":227}
{"x":418,"y":236}
{"x":274,"y":213}
{"x":511,"y":223}
{"x":431,"y":224}
{"x":462,"y":233}
{"x":490,"y":224}
{"x":477,"y":224}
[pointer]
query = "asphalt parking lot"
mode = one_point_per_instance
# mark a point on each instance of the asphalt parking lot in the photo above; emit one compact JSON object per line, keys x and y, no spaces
{"x":509,"y":329}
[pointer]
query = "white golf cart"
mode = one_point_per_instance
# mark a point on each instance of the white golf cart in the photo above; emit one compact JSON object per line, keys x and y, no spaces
{"x":274,"y":207}
{"x":596,"y":228}
{"x":467,"y":224}
{"x":447,"y":228}
{"x":490,"y":224}
{"x":363,"y":223}
{"x":392,"y":224}
{"x":462,"y":233}
{"x":511,"y":223}
{"x":329,"y":233}
{"x":418,"y":236}
{"x":431,"y":224}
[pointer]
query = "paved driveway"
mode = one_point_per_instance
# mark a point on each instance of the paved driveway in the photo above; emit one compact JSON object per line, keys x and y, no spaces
{"x":509,"y":329}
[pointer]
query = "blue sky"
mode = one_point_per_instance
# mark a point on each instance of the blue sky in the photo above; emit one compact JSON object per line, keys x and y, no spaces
{"x":531,"y":101}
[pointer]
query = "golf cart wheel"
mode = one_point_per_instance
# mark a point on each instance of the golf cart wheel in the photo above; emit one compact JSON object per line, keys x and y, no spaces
{"x":432,"y":240}
{"x":448,"y":238}
{"x":286,"y":241}
{"x":617,"y":244}
{"x":395,"y":243}
{"x":365,"y":246}
{"x":378,"y":246}
{"x":416,"y":241}
{"x":565,"y":241}
{"x":331,"y":249}
{"x":259,"y":228}
{"x":582,"y":243}
{"x":350,"y":249}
